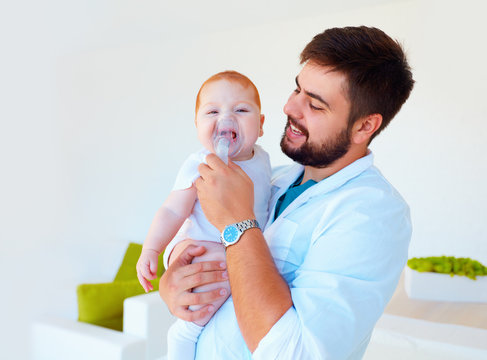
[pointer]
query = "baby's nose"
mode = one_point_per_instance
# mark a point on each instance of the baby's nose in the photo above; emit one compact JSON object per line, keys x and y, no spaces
{"x":226,"y":123}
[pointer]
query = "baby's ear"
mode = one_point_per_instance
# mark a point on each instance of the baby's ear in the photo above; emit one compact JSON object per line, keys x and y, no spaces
{"x":261,"y":131}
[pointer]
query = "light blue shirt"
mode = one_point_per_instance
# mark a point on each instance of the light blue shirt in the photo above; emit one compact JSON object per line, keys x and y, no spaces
{"x":341,"y":246}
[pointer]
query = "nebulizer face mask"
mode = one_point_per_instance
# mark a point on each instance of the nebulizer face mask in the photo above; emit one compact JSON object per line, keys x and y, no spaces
{"x":227,"y":139}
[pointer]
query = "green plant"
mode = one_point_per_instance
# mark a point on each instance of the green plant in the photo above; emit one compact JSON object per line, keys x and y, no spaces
{"x":449,"y":265}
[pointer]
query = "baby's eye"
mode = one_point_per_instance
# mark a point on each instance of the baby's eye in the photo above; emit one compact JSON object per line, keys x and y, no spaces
{"x":242,"y":110}
{"x":212,"y":112}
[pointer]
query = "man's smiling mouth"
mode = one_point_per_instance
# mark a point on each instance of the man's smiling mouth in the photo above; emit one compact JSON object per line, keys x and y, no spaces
{"x":295,"y":129}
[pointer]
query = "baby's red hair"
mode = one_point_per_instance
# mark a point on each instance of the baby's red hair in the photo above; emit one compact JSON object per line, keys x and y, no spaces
{"x":232,"y":76}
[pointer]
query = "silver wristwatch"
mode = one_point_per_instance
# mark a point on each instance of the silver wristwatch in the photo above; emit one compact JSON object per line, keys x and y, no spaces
{"x":232,"y":233}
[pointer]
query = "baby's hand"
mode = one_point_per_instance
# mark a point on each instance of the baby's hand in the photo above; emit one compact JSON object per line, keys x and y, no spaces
{"x":147,"y":268}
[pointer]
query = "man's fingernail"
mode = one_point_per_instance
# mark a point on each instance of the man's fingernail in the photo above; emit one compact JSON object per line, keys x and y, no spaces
{"x":223,"y":292}
{"x":225,"y":275}
{"x":223,"y":265}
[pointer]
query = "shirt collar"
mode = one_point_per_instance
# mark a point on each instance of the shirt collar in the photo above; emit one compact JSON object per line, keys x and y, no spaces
{"x":284,"y":178}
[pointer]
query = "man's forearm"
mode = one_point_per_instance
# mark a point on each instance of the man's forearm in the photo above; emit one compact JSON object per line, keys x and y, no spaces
{"x":260,"y":295}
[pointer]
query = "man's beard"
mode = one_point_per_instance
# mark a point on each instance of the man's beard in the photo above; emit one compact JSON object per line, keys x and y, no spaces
{"x":319,"y":156}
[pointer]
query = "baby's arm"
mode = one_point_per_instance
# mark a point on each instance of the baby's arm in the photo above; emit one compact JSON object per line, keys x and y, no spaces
{"x":166,"y":223}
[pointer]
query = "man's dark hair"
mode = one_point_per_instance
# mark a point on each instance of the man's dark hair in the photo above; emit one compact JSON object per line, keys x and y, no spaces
{"x":379,"y":76}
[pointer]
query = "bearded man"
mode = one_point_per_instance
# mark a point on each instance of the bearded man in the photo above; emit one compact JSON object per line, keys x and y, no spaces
{"x":313,"y":281}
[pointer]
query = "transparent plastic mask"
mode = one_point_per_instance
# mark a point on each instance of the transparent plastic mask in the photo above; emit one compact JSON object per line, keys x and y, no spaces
{"x":227,"y":139}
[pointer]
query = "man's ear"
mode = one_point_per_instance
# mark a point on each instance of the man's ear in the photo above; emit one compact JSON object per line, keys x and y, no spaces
{"x":365,"y":127}
{"x":261,"y":131}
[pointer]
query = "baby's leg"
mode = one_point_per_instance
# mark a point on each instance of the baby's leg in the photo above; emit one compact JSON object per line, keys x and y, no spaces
{"x":181,"y":340}
{"x":214,"y":252}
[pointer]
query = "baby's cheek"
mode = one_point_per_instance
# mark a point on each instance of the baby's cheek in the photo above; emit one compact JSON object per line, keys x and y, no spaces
{"x":206,"y":139}
{"x":207,"y":145}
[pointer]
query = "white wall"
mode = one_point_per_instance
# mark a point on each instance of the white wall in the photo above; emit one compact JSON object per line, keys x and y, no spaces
{"x":96,"y":112}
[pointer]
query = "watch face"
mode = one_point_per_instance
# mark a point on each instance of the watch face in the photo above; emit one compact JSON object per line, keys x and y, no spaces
{"x":230,"y":234}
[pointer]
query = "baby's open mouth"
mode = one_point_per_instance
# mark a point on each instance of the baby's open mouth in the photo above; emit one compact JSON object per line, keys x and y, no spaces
{"x":229,"y":134}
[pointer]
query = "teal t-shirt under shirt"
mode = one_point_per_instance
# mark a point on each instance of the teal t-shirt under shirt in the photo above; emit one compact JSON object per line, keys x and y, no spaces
{"x":292,"y":193}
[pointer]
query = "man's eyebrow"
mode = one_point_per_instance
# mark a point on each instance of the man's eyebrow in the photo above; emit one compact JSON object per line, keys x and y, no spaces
{"x":314,"y":96}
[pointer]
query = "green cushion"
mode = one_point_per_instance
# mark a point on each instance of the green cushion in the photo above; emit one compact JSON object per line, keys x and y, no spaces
{"x":127,"y":269}
{"x":114,"y":324}
{"x":102,"y":304}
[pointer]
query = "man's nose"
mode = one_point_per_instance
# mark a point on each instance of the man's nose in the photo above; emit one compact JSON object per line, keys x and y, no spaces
{"x":292,"y":107}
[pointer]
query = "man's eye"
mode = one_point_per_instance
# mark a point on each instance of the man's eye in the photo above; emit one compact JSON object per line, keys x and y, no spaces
{"x":314,"y":107}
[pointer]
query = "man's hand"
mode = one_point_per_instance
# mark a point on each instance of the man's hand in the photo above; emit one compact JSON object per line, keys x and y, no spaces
{"x":181,"y":277}
{"x":226,"y":193}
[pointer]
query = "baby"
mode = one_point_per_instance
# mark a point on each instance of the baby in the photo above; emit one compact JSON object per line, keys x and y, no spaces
{"x":228,"y":123}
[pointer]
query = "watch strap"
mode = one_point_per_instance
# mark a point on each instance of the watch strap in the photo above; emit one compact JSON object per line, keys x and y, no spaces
{"x":247,"y":224}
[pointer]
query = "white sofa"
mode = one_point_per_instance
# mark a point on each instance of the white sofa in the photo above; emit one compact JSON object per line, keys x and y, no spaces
{"x":401,"y":338}
{"x":146,"y":321}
